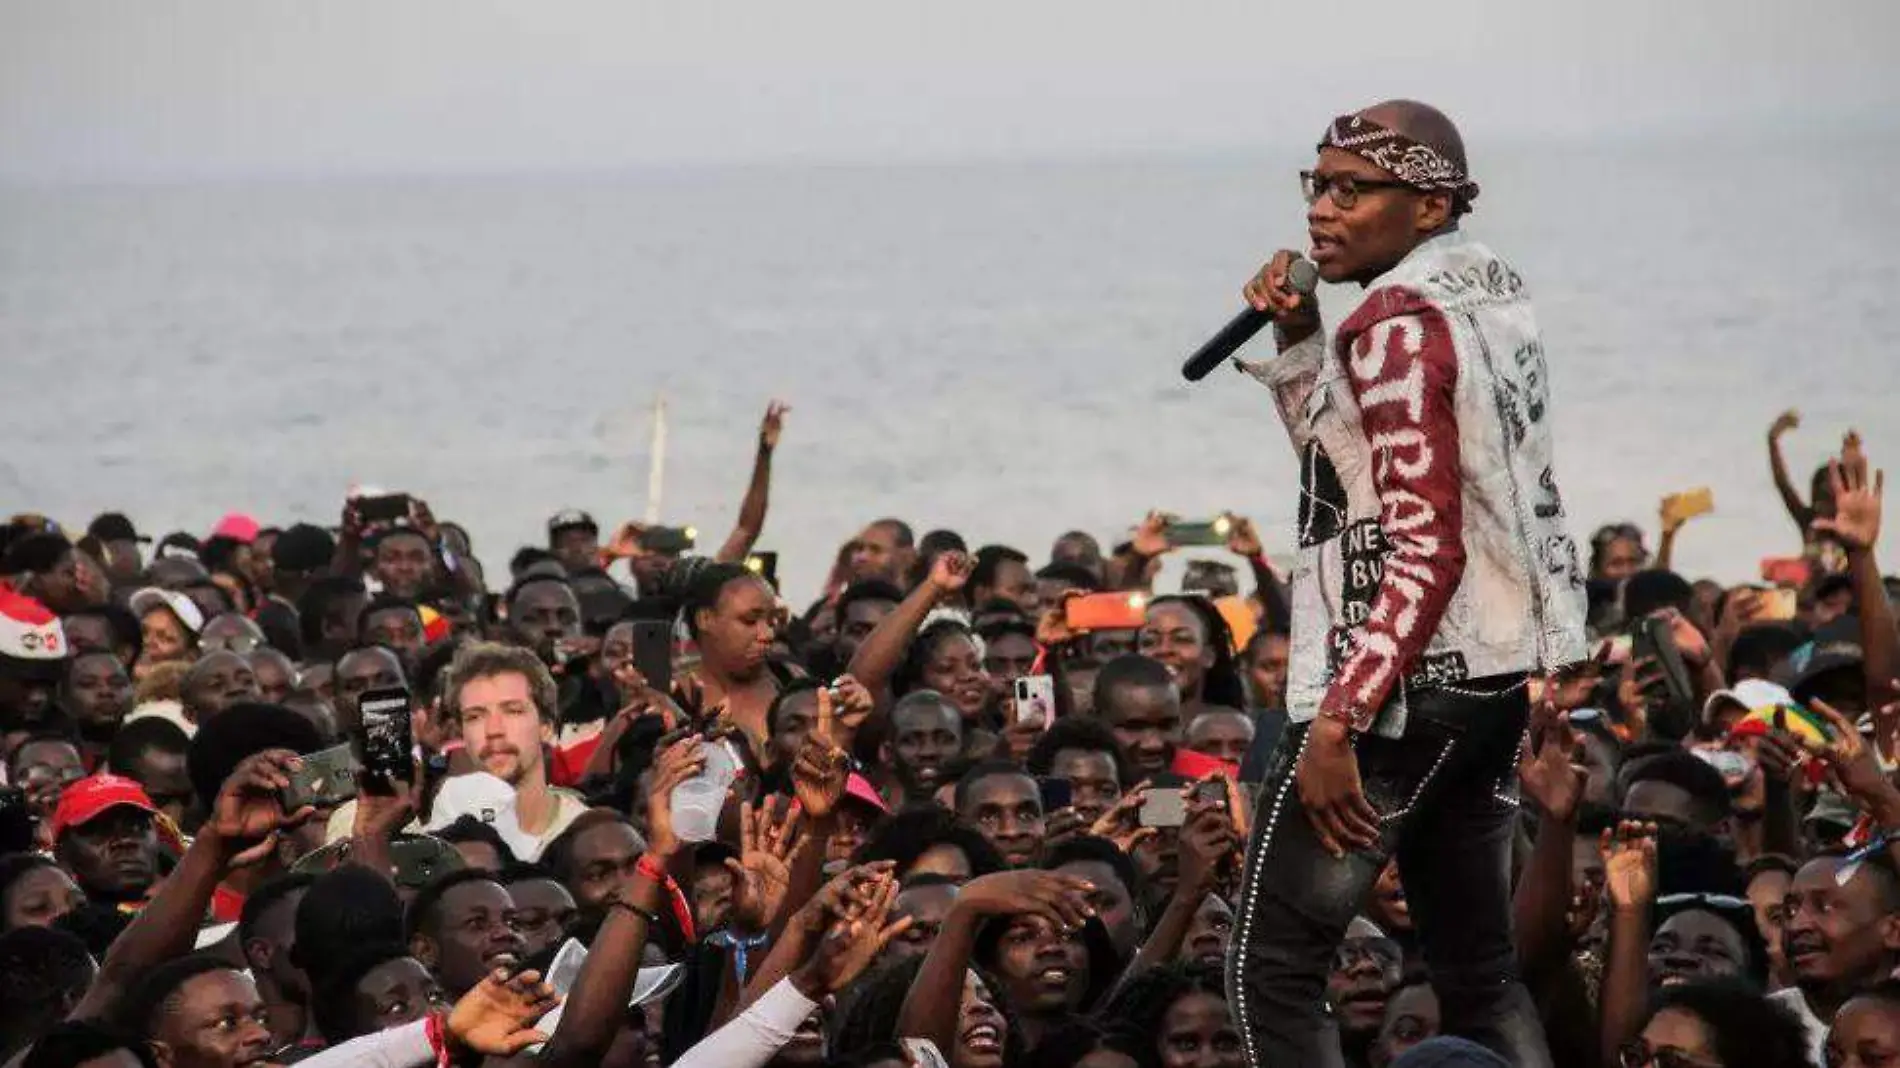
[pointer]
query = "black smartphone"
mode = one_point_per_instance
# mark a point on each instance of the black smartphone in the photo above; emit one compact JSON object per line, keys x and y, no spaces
{"x":16,"y":822}
{"x":1205,"y":532}
{"x":388,"y":743}
{"x":1214,"y":790}
{"x":670,"y":540}
{"x":764,"y":564}
{"x":653,"y":652}
{"x":1651,"y":639}
{"x":1057,"y":792}
{"x":326,"y":779}
{"x":388,"y":508}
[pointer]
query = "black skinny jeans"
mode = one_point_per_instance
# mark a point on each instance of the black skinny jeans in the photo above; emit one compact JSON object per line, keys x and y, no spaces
{"x":1446,"y":795}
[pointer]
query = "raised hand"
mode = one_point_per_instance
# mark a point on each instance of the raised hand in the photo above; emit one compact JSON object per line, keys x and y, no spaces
{"x":424,"y":520}
{"x":1297,"y":316}
{"x":351,"y":525}
{"x":1857,"y":501}
{"x":773,"y":424}
{"x":493,"y":1018}
{"x":1688,"y":638}
{"x":1061,"y":899}
{"x":387,"y":809}
{"x":853,"y":706}
{"x":1052,"y":627}
{"x":1544,"y":769}
{"x":1243,"y":539}
{"x":1121,"y":824}
{"x":822,"y":768}
{"x":625,"y":544}
{"x":1572,"y":689}
{"x":769,"y":838}
{"x":1061,"y":825}
{"x":850,"y":946}
{"x":641,"y":699}
{"x":1742,"y":607}
{"x":1629,"y":864}
{"x":1635,"y":691}
{"x":1207,"y":840}
{"x":1785,"y":422}
{"x":1151,"y":537}
{"x":949,"y":572}
{"x":248,"y":813}
{"x":676,"y":763}
{"x":1854,"y":766}
{"x":846,"y":896}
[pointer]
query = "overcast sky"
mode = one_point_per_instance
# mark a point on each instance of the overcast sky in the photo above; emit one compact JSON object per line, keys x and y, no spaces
{"x":169,"y":88}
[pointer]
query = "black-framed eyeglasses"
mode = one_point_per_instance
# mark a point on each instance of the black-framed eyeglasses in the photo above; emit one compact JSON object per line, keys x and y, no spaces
{"x":1639,"y":1054}
{"x":1344,"y":188}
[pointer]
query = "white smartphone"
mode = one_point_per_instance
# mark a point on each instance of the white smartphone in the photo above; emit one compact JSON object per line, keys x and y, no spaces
{"x":1036,"y":700}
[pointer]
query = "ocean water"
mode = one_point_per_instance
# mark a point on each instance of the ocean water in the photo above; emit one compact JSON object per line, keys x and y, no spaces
{"x":987,"y":346}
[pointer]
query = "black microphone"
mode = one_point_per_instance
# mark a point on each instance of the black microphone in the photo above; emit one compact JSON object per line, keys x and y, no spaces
{"x":1301,"y":278}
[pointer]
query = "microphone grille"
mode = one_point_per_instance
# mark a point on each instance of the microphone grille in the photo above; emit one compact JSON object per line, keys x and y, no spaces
{"x":1302,"y":277}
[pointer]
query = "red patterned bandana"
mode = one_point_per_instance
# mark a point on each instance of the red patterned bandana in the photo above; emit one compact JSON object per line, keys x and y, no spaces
{"x":1417,"y":165}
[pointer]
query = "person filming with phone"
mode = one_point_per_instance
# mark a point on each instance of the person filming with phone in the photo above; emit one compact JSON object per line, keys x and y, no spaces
{"x":1435,"y":576}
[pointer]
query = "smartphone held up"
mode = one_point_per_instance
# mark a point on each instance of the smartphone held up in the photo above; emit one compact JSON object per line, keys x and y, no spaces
{"x":1035,"y":700}
{"x":1091,"y":612}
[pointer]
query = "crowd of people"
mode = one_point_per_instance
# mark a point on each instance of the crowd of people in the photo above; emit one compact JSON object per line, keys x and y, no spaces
{"x":912,"y":861}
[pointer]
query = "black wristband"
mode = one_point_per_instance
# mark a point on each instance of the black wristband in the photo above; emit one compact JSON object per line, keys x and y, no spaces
{"x":652,"y":918}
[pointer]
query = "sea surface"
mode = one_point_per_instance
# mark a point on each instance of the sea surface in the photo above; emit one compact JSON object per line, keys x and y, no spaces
{"x":988,"y":346}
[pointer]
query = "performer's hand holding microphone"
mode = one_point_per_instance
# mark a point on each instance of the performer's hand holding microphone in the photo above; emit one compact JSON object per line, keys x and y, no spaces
{"x":1282,"y":292}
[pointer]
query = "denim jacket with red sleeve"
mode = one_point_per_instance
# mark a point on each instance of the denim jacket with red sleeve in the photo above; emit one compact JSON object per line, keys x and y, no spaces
{"x":1432,"y":539}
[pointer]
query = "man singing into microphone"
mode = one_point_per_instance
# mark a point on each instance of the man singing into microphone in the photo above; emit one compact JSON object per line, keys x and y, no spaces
{"x":1434,"y":577}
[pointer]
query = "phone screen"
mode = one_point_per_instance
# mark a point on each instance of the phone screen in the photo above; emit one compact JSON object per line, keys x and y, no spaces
{"x":1203,"y":532}
{"x":1057,"y":793}
{"x":1165,"y":806}
{"x":326,"y":779}
{"x":653,"y":652}
{"x":1036,"y":700}
{"x":388,"y":744}
{"x":389,"y":508}
{"x":673,"y":540}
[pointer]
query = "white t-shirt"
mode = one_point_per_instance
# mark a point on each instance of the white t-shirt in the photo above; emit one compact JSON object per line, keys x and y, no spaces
{"x":568,"y":807}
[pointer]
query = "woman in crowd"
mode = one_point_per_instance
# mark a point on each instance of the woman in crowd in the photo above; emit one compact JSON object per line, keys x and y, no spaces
{"x":1188,"y":635}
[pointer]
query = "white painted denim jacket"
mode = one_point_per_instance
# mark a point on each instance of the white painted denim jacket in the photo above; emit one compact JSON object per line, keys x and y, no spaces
{"x":1432,"y":541}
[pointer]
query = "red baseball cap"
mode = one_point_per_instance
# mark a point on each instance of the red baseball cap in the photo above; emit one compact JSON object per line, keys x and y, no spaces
{"x":90,"y":797}
{"x":860,"y":788}
{"x":237,"y":526}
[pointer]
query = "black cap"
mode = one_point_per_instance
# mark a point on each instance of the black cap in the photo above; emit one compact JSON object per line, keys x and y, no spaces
{"x":178,"y":544}
{"x":114,"y":526}
{"x":571,"y":519}
{"x":302,"y":548}
{"x":1827,"y":659}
